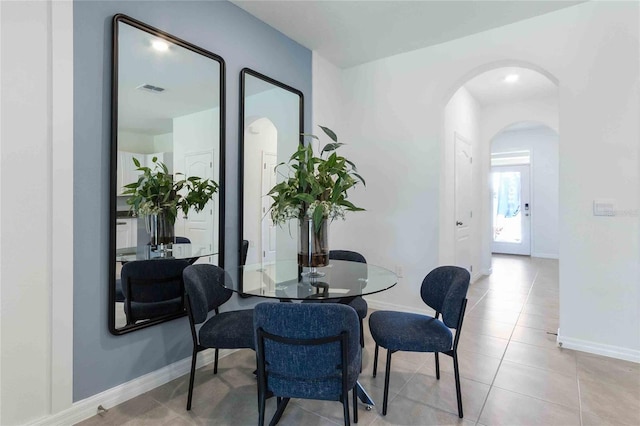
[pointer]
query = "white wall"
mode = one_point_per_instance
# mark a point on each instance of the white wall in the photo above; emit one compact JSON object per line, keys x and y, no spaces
{"x":462,"y":115}
{"x":36,"y":263}
{"x":542,"y":143}
{"x":392,"y":113}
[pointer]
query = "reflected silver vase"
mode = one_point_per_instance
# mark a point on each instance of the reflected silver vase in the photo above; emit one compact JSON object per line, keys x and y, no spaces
{"x":160,"y":229}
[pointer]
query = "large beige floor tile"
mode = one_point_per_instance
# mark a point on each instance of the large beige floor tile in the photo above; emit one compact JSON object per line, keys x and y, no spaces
{"x":513,"y":409}
{"x":482,"y":344}
{"x":609,"y":370}
{"x":142,"y":409}
{"x":403,"y":411}
{"x":534,"y":336}
{"x":538,"y":383}
{"x":561,"y":361}
{"x":612,"y":402}
{"x":541,"y":322}
{"x":544,"y":310}
{"x":441,"y":394}
{"x":473,"y":366}
{"x":476,"y":325}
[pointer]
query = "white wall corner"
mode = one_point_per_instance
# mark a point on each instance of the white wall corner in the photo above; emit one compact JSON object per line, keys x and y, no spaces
{"x":62,"y":205}
{"x":591,"y":347}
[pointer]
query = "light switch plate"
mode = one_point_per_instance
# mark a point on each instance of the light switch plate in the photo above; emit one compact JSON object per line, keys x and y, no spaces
{"x":604,"y":207}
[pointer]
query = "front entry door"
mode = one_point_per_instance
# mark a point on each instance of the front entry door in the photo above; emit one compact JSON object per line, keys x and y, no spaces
{"x":511,"y":210}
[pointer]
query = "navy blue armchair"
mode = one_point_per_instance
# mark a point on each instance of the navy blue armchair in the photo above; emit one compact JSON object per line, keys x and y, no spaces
{"x":444,"y":289}
{"x":309,"y":351}
{"x":227,"y":330}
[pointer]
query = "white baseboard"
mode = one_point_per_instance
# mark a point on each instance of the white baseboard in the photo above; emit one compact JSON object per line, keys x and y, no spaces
{"x":599,"y":348}
{"x":546,"y":255}
{"x":88,"y":407}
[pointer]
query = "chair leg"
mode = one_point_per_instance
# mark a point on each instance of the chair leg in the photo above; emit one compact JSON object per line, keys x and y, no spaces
{"x":386,"y":383}
{"x":361,"y":334}
{"x":345,"y":406}
{"x":262,"y":402}
{"x":215,"y":363}
{"x":192,"y":377}
{"x":355,"y":404}
{"x":457,"y":375}
{"x":375,"y":361}
{"x":281,"y":406}
{"x":437,"y":366}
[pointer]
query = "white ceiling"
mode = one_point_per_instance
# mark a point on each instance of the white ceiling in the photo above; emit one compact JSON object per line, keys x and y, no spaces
{"x":491,"y":88}
{"x":349,"y":33}
{"x":190,"y":80}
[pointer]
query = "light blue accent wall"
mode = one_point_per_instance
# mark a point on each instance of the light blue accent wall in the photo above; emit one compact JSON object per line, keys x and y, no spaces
{"x":101,"y":360}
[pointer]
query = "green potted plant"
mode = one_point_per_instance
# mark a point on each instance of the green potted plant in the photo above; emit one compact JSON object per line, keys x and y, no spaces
{"x":158,"y":197}
{"x":314,"y":192}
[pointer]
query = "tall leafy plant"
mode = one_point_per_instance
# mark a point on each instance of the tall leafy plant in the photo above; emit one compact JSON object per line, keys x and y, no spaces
{"x":156,"y":191}
{"x":315,"y":186}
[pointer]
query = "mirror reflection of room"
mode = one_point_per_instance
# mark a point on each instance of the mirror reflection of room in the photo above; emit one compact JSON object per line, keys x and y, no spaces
{"x":272,"y":128}
{"x":168,"y":115}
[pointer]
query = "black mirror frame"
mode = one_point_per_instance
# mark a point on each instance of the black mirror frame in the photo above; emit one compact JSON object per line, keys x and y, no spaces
{"x":113,"y":163}
{"x":243,"y":73}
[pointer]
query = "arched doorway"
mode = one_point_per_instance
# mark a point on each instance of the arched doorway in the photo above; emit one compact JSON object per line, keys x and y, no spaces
{"x":491,"y":98}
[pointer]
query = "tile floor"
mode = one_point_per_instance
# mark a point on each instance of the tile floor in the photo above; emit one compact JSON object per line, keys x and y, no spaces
{"x":513,"y":373}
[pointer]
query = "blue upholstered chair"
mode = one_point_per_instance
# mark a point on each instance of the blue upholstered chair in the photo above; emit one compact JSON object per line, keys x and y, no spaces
{"x":152,"y":288}
{"x":444,"y":289}
{"x":227,"y":330}
{"x":358,"y":303}
{"x":309,"y":351}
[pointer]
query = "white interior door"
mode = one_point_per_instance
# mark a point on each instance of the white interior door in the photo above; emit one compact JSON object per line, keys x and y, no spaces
{"x":511,"y":210}
{"x":268,"y":233}
{"x":200,"y":227}
{"x":463,"y":214}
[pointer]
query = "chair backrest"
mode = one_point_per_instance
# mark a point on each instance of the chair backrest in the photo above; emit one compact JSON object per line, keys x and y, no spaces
{"x":149,"y":281}
{"x":203,"y":284}
{"x":444,"y":289}
{"x":351,"y":256}
{"x":303,"y":367}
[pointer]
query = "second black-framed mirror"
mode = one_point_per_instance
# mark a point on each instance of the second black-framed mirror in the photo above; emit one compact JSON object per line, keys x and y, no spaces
{"x":271,"y":127}
{"x":167,"y":171}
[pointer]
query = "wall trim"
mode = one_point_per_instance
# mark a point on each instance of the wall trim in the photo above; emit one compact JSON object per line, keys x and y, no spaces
{"x":82,"y":410}
{"x":618,"y":352}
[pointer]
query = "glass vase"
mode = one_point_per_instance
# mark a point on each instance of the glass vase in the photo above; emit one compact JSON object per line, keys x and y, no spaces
{"x":160,"y":229}
{"x":313,"y":245}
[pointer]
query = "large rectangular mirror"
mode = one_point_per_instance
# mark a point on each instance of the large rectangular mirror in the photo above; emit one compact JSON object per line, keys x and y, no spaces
{"x":167,"y":156}
{"x":271,"y":127}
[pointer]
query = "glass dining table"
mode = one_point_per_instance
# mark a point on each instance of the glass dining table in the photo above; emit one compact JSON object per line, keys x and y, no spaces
{"x":286,"y":281}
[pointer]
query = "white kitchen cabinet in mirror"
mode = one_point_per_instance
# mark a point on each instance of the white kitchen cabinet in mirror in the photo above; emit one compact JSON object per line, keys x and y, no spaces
{"x":167,"y":105}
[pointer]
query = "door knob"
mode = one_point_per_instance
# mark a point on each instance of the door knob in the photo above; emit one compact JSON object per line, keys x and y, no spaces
{"x":458,"y":223}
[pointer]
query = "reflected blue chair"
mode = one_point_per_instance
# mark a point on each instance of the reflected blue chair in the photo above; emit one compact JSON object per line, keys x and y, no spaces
{"x":205,"y":293}
{"x":444,"y":289}
{"x":356,"y":302}
{"x":152,"y":288}
{"x":309,"y":351}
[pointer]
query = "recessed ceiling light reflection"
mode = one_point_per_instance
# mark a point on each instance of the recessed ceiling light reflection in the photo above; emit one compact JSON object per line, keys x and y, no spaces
{"x":511,"y":78}
{"x":160,"y":46}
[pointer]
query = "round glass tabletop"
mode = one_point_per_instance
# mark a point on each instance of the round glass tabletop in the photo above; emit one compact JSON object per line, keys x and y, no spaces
{"x":171,"y":251}
{"x":285,"y":280}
